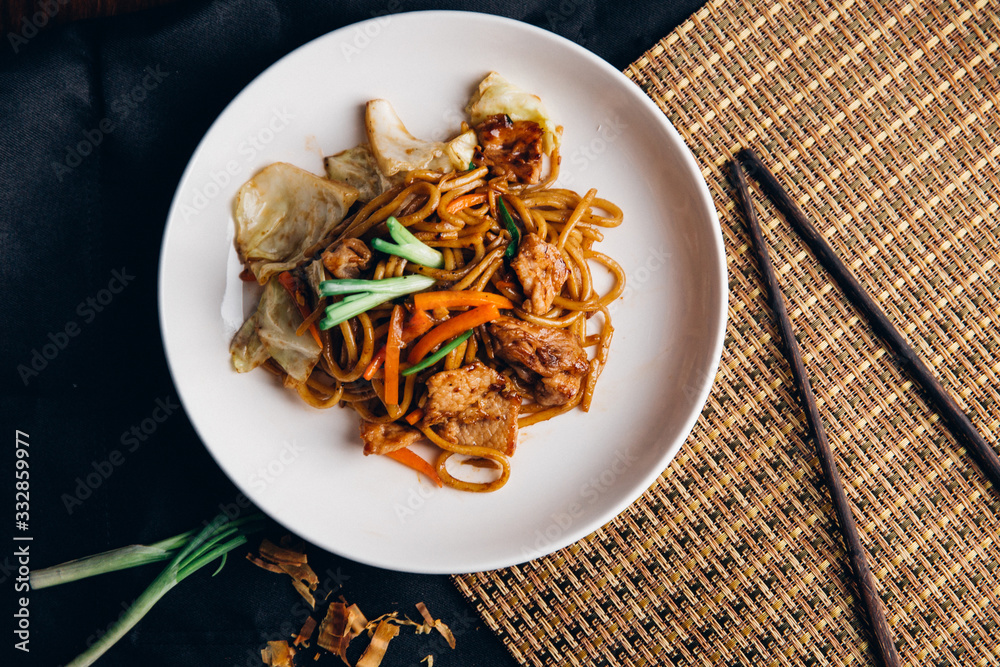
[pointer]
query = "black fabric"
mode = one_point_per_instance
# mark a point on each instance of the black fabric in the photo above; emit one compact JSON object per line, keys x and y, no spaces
{"x":98,"y":121}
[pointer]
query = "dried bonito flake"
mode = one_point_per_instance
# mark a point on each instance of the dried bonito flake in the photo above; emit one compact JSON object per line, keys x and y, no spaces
{"x":342,"y":623}
{"x":386,"y":630}
{"x":278,"y":654}
{"x":306,"y":633}
{"x":284,"y":560}
{"x":437,"y":624}
{"x":339,"y":627}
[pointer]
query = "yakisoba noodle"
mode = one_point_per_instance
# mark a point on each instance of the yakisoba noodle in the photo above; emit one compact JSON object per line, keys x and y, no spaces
{"x":482,"y":236}
{"x":472,"y":241}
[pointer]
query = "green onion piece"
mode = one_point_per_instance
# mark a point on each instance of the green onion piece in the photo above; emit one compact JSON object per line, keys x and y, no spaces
{"x":108,"y":561}
{"x":193,"y":553}
{"x":376,"y":293}
{"x":427,"y":362}
{"x":515,"y":234}
{"x":394,"y":285}
{"x":472,"y":165}
{"x":345,"y":310}
{"x":409,"y":246}
{"x":222,"y":564}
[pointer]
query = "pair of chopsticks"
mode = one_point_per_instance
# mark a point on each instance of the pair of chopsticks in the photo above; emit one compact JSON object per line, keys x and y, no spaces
{"x":954,"y":418}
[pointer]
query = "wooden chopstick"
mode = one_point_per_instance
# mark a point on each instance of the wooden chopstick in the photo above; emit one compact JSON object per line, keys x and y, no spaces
{"x":956,"y":420}
{"x":831,"y":475}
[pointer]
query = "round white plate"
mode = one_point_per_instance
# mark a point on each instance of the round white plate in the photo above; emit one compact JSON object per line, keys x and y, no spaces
{"x":571,"y":475}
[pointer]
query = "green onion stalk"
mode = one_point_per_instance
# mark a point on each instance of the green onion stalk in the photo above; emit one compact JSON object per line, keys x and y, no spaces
{"x":369,"y":293}
{"x":366,"y":294}
{"x":515,"y":233}
{"x":189,"y":552}
{"x":439,"y":355}
{"x":408,"y":246}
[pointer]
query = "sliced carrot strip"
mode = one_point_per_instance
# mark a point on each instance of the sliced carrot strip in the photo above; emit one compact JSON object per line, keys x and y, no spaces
{"x":408,"y":458}
{"x":414,"y":416}
{"x":465,"y":201}
{"x":432,"y":300}
{"x":376,"y":363}
{"x":450,"y":328}
{"x":392,"y":346}
{"x":416,"y":325}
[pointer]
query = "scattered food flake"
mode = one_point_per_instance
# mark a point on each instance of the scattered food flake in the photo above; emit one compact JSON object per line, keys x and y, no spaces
{"x":272,"y":552}
{"x":342,"y":623}
{"x":372,"y":657}
{"x":285,"y":560}
{"x":334,"y":629}
{"x":436,"y":624}
{"x":306,"y":633}
{"x":277,"y":654}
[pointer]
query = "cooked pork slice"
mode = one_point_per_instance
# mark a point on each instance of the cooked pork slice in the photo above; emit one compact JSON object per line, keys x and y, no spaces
{"x":559,"y":389}
{"x":347,"y":258}
{"x":542,"y":272}
{"x":551,"y":358}
{"x":385,"y":438}
{"x":473,"y":405}
{"x":544,"y":350}
{"x":510,"y":148}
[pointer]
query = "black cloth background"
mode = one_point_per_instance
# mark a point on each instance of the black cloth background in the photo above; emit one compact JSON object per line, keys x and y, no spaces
{"x":113,"y":458}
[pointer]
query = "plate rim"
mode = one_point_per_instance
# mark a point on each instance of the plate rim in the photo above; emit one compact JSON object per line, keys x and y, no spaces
{"x":705,"y":201}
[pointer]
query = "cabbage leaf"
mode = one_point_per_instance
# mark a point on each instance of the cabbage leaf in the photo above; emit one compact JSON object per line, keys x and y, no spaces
{"x":283,"y":211}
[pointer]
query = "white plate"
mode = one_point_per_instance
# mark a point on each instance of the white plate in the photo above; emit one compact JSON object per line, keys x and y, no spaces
{"x":571,"y":475}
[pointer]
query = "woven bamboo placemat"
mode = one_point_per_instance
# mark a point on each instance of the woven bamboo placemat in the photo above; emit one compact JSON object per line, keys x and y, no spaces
{"x":882,"y":118}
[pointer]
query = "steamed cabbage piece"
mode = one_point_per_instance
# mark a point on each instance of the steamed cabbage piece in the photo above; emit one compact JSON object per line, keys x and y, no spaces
{"x":397,"y":151}
{"x":283,"y":211}
{"x":496,"y":95}
{"x":270,"y":333}
{"x":356,"y":167}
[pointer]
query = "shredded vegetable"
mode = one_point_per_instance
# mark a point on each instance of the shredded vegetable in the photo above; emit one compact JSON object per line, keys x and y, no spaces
{"x":450,"y":328}
{"x":416,"y":325}
{"x":432,"y":300}
{"x":291,"y":285}
{"x":395,"y":286}
{"x":438,"y":356}
{"x":408,"y":246}
{"x":392,"y":347}
{"x":409,"y":458}
{"x":515,"y":234}
{"x":375,"y":294}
